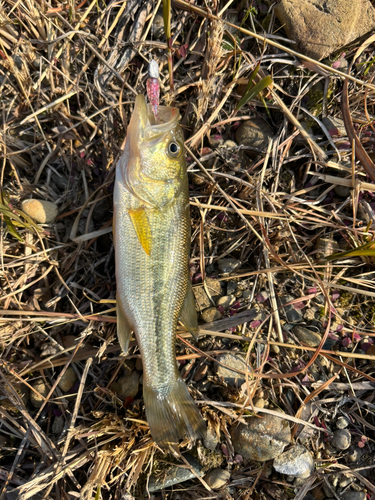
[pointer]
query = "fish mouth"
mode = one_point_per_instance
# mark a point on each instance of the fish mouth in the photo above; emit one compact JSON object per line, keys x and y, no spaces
{"x":144,"y":126}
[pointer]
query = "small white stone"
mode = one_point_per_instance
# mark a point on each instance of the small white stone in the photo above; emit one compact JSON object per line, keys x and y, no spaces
{"x":41,"y":211}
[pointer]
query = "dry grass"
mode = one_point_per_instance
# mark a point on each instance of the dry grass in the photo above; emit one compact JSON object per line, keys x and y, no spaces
{"x":68,"y":76}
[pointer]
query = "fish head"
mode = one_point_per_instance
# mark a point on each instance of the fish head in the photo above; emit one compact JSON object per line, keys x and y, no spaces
{"x":153,"y":163}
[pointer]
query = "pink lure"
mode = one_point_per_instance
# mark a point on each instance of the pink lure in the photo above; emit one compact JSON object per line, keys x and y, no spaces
{"x":153,"y":87}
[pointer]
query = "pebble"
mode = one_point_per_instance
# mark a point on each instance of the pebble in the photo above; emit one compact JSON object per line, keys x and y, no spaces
{"x":234,"y":157}
{"x":353,"y":455}
{"x":262,"y":438}
{"x":341,"y":439}
{"x":262,"y":296}
{"x":342,"y":191}
{"x":356,"y":486}
{"x":158,"y":25}
{"x":201,"y":296}
{"x":127,"y":386}
{"x":68,"y":379}
{"x":320,"y":28}
{"x":309,"y":314}
{"x":297,"y":462}
{"x":324,"y":247}
{"x":198,"y":180}
{"x":41,"y":211}
{"x":341,"y":423}
{"x":226,"y":301}
{"x":292,"y":315}
{"x":236,"y":361}
{"x":254,"y":133}
{"x":259,"y":403}
{"x":354,"y":495}
{"x":43,"y":390}
{"x":275,"y":349}
{"x":201,"y":373}
{"x":58,"y":425}
{"x":176,"y":475}
{"x":229,"y":265}
{"x":345,"y":481}
{"x":231,"y":287}
{"x":210,"y":314}
{"x":216,"y":478}
{"x":210,"y":440}
{"x":306,"y":336}
{"x":246,"y":294}
{"x":216,"y":140}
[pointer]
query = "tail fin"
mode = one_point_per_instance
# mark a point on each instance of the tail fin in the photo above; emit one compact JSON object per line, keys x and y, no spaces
{"x":172,"y":415}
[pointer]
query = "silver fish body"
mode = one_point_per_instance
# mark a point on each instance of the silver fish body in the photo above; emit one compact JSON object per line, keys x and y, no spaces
{"x":152,"y":245}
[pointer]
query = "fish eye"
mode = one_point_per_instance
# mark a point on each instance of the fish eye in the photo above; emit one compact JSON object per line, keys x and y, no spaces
{"x":174,"y":149}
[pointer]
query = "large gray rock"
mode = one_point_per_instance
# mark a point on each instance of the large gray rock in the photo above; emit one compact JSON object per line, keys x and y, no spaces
{"x":322,"y":27}
{"x":262,"y":438}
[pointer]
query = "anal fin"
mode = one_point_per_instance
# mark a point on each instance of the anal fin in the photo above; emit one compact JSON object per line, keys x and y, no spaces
{"x":142,"y":228}
{"x":124,"y":329}
{"x":188,"y":316}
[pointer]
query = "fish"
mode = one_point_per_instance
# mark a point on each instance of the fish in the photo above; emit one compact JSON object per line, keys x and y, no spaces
{"x":152,"y":249}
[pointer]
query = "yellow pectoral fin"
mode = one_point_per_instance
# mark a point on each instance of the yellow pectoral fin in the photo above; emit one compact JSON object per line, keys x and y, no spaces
{"x":142,"y":228}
